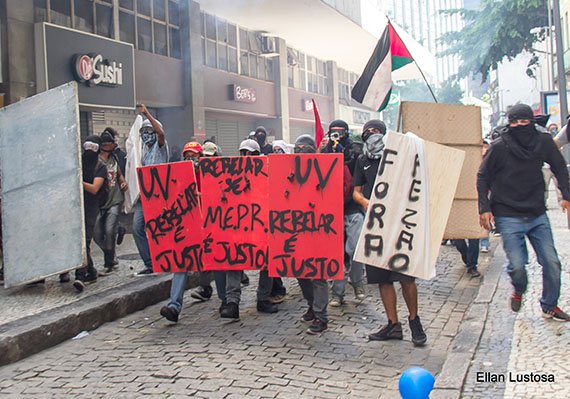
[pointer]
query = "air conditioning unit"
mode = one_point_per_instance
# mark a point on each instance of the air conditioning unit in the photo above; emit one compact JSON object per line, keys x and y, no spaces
{"x":267,"y":45}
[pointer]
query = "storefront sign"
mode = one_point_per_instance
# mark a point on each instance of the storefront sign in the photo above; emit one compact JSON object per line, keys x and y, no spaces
{"x":307,"y":105}
{"x":360,"y":117}
{"x":94,"y":70}
{"x":242,"y":94}
{"x":104,"y":68}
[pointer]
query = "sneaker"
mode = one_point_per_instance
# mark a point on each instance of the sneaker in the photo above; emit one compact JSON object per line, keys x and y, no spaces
{"x":484,"y":249}
{"x":266,"y":307}
{"x":516,"y":302}
{"x":419,"y":337}
{"x":335,"y":302}
{"x":222,"y":305}
{"x":244,"y":279}
{"x":390,"y":331}
{"x":202,"y":293}
{"x":359,"y":293}
{"x":121,"y":231}
{"x":169,"y":314}
{"x":309,"y":315}
{"x":64,"y":278}
{"x":555,"y":314}
{"x":317,"y":327}
{"x":230,"y":310}
{"x":78,"y":285}
{"x":473,"y":272}
{"x":144,"y":272}
{"x":276,"y":299}
{"x":496,"y":234}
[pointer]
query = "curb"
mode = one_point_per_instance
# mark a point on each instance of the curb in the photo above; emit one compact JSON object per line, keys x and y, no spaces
{"x":32,"y":334}
{"x":450,"y":381}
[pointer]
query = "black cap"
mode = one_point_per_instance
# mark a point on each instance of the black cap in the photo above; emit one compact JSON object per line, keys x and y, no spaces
{"x":260,"y":129}
{"x":338,"y":123}
{"x":307,"y":140}
{"x":107,"y":137}
{"x":373,"y":123}
{"x":520,"y":111}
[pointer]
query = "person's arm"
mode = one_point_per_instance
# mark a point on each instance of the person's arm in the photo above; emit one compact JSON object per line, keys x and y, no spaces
{"x":156,"y":126}
{"x":562,"y":137}
{"x":93,"y":188}
{"x":484,"y":176}
{"x":359,"y":198}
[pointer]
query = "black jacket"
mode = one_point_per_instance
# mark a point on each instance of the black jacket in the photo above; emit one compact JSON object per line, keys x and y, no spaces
{"x":510,"y":180}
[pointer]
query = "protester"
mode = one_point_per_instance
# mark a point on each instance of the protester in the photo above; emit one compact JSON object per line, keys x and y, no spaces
{"x":469,"y":250}
{"x":511,"y":171}
{"x":339,"y":142}
{"x":365,"y":173}
{"x":261,"y":138}
{"x":484,"y":242}
{"x":121,"y":157}
{"x":191,"y":153}
{"x":154,"y":152}
{"x":232,"y":295}
{"x":281,"y":147}
{"x":94,"y":176}
{"x":315,"y":292}
{"x":106,"y":226}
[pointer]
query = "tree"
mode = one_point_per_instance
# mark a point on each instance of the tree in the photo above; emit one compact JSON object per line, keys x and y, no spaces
{"x":450,"y":92}
{"x":499,"y":29}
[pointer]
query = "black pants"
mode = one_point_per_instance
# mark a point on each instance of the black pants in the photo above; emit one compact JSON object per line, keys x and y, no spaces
{"x":88,"y":271}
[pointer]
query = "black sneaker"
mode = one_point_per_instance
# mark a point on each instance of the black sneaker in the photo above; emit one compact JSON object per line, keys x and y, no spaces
{"x":555,"y":314}
{"x":266,"y":307}
{"x":222,"y":306}
{"x":230,"y":311}
{"x":121,"y":231}
{"x":64,"y":277}
{"x":516,"y":302}
{"x":78,"y":285}
{"x":419,"y":337}
{"x":202,"y":293}
{"x":390,"y":331}
{"x":317,"y":327}
{"x":169,"y":314}
{"x":144,"y":272}
{"x":473,"y":272}
{"x":244,"y":279}
{"x":309,"y":315}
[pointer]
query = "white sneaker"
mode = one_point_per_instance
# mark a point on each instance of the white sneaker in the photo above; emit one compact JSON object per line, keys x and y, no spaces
{"x":335,"y":302}
{"x":484,"y":249}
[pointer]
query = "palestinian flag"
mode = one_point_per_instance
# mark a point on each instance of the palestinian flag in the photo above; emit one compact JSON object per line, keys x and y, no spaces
{"x":374,"y":87}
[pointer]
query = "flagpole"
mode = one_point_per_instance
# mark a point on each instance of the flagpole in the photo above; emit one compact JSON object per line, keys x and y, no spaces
{"x":425,"y":80}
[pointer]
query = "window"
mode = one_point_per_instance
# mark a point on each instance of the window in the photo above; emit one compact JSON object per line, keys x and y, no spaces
{"x":297,"y":76}
{"x":144,"y":38}
{"x":84,"y":15}
{"x":128,"y":4}
{"x":40,"y":11}
{"x":160,"y":45}
{"x":127,"y":27}
{"x":159,"y":10}
{"x":173,"y":11}
{"x":104,"y":20}
{"x":143,"y":7}
{"x":175,"y":43}
{"x":219,"y":44}
{"x":61,"y":12}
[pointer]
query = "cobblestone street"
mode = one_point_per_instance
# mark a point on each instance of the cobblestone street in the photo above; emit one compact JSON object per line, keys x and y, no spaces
{"x":261,"y":356}
{"x":525,"y":342}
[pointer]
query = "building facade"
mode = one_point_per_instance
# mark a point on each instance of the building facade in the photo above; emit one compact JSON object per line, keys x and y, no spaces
{"x":201,"y":72}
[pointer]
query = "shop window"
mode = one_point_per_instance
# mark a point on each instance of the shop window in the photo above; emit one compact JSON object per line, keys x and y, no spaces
{"x":84,"y":15}
{"x":40,"y":11}
{"x":159,"y":10}
{"x":104,"y":20}
{"x":175,"y":43}
{"x":127,"y":27}
{"x":61,"y":12}
{"x":160,"y":46}
{"x":144,"y":39}
{"x":128,"y":4}
{"x":143,"y":7}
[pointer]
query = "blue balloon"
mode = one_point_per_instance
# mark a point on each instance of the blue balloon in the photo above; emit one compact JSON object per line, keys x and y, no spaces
{"x":416,"y":383}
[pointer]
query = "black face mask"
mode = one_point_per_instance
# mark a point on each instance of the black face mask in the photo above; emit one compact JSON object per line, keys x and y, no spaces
{"x":260,"y":138}
{"x":525,"y":136}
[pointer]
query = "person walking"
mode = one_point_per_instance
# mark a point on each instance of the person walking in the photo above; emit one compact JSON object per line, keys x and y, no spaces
{"x":512,"y":172}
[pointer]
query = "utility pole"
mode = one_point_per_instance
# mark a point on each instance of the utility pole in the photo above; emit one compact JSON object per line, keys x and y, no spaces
{"x":560,"y":63}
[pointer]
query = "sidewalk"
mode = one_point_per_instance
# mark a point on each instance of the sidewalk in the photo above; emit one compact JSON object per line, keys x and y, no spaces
{"x":525,"y":342}
{"x":39,"y":316}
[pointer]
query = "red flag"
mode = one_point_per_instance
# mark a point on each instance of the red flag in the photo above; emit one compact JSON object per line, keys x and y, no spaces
{"x":319,"y":131}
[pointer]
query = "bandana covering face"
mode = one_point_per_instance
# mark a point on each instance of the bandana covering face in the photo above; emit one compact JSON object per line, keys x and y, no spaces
{"x":149,"y":138}
{"x":373,"y":146}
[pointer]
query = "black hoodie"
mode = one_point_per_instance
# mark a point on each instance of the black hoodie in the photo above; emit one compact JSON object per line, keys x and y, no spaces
{"x":512,"y":172}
